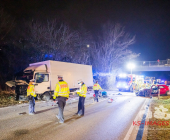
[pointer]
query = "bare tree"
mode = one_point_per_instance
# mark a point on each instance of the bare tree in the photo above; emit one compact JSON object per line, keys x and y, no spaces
{"x":52,"y":38}
{"x":111,"y":48}
{"x":6,"y":24}
{"x":83,"y":47}
{"x":110,"y":51}
{"x":58,"y":41}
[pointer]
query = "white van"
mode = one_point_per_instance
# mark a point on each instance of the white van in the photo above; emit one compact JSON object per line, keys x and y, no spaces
{"x":46,"y":76}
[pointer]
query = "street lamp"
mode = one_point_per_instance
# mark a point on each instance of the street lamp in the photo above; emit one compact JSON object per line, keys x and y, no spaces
{"x":131,"y":66}
{"x":88,"y":46}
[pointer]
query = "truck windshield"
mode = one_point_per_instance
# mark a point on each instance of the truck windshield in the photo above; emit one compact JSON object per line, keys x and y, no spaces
{"x":123,"y":79}
{"x":39,"y":77}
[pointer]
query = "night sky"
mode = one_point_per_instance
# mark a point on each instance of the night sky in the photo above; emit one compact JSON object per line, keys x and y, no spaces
{"x":149,"y":20}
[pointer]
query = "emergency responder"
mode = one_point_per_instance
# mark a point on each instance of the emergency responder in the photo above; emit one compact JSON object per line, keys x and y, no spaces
{"x":62,"y":93}
{"x":82,"y":96}
{"x":96,"y":88}
{"x":31,"y":94}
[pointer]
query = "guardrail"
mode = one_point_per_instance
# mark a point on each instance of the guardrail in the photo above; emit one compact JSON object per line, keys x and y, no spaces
{"x":160,"y":63}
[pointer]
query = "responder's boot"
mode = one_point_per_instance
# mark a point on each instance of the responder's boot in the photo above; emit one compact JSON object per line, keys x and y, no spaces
{"x":31,"y":113}
{"x":61,"y":122}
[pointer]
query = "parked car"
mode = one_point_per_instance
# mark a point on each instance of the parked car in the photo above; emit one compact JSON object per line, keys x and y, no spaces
{"x":164,"y":90}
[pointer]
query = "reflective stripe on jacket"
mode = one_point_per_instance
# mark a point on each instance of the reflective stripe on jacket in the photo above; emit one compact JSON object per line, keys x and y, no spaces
{"x":83,"y":91}
{"x":96,"y":87}
{"x":61,"y":89}
{"x":31,"y":91}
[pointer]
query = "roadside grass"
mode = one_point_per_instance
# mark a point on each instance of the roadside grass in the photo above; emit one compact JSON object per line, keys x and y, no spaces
{"x":160,"y":130}
{"x":164,"y":100}
{"x":7,"y":98}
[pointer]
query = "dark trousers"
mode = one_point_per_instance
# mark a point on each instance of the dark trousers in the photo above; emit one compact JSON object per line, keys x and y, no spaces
{"x":61,"y":105}
{"x":96,"y":94}
{"x":81,"y":104}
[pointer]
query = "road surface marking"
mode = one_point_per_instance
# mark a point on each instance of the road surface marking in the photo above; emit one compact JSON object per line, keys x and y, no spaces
{"x":132,"y":126}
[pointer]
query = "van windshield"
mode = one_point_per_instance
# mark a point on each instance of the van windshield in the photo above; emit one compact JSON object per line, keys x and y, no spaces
{"x":39,"y":77}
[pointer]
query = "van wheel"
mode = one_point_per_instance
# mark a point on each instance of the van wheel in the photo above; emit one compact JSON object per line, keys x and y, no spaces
{"x":46,"y":96}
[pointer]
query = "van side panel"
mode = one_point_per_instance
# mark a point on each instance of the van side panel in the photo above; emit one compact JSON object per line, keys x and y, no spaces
{"x":71,"y":73}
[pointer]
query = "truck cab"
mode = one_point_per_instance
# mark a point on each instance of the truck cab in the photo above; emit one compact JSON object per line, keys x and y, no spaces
{"x":125,"y":82}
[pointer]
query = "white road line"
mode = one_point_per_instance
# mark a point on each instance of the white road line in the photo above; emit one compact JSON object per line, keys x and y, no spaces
{"x":132,"y":126}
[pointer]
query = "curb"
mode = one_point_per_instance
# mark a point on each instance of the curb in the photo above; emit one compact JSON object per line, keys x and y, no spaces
{"x":132,"y":126}
{"x":142,"y":125}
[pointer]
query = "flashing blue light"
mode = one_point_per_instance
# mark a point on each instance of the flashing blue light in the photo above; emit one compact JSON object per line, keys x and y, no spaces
{"x":48,"y":55}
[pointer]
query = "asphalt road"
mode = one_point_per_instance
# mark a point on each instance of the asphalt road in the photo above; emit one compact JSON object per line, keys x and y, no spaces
{"x":102,"y":120}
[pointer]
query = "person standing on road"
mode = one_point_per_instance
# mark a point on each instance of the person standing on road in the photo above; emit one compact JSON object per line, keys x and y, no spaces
{"x":62,"y":93}
{"x":82,"y":96}
{"x":31,"y":94}
{"x":96,"y":88}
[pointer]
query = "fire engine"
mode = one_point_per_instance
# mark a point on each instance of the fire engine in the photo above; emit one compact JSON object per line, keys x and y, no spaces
{"x":129,"y":82}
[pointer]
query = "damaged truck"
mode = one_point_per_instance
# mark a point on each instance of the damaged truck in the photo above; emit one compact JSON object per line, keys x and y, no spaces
{"x":45,"y":75}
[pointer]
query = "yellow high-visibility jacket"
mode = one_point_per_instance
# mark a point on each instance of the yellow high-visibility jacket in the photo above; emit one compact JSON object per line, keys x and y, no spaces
{"x":61,"y":89}
{"x":96,"y":87}
{"x":31,"y":91}
{"x":83,"y":91}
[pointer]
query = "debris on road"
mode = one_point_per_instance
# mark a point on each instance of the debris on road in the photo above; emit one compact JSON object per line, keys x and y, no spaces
{"x":23,"y":113}
{"x":119,"y":94}
{"x":110,"y":100}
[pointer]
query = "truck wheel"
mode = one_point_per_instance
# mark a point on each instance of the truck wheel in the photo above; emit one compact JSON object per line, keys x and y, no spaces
{"x":131,"y":89}
{"x":137,"y":93}
{"x":46,"y":96}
